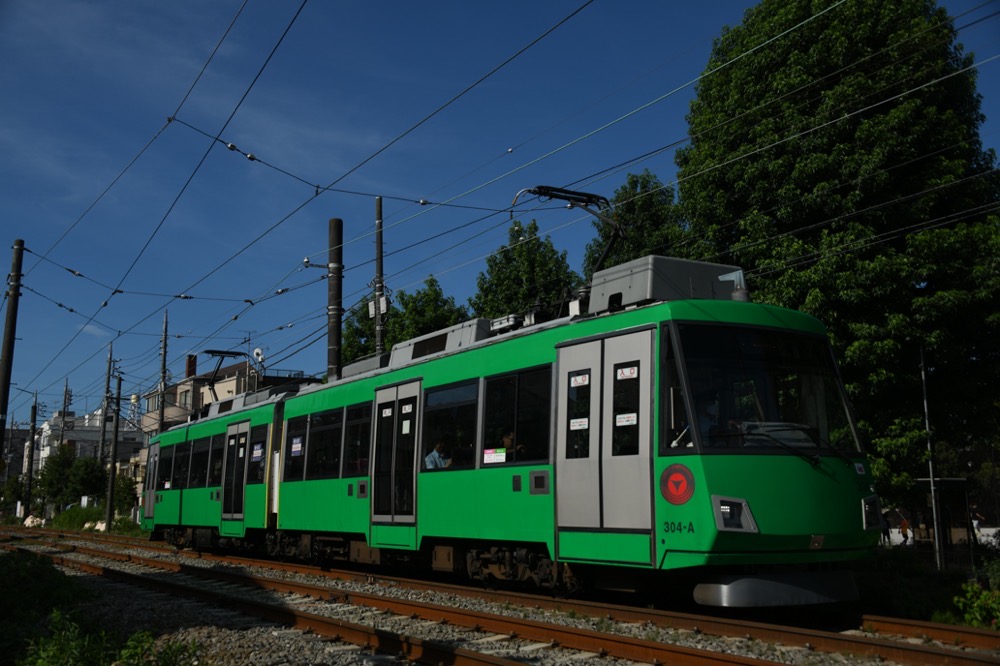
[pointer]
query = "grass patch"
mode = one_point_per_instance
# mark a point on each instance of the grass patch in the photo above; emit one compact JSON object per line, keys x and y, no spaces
{"x":42,"y":628}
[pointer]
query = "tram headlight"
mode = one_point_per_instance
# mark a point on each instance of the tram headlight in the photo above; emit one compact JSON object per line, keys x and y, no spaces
{"x":733,"y":514}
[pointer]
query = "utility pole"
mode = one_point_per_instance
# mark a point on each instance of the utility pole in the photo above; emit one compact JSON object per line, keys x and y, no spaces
{"x":65,"y":408}
{"x":930,"y":464}
{"x":105,"y":404}
{"x":161,"y":418}
{"x":31,"y":456}
{"x":109,"y":513}
{"x":379,"y":281}
{"x":334,"y":298}
{"x":9,"y":332}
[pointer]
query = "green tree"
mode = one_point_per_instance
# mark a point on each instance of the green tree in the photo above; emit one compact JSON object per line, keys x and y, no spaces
{"x":425,"y":311}
{"x":11,"y":493}
{"x":87,"y":476}
{"x":526,"y":274}
{"x":358,"y":337}
{"x":647,"y":221}
{"x":125,"y":495}
{"x":841,"y":165}
{"x":52,"y":479}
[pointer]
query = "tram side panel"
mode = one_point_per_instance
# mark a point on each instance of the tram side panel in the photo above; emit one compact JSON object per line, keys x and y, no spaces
{"x":323,"y":483}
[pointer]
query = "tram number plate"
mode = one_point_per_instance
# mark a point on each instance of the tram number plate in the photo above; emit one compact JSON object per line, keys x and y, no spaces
{"x":678,"y":527}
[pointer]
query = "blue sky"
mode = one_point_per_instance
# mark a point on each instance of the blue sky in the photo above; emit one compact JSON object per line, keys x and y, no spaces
{"x":95,"y":179}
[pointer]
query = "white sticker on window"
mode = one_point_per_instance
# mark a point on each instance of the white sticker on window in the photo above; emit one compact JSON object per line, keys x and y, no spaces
{"x":579,"y":380}
{"x":406,"y":426}
{"x":387,"y":412}
{"x":627,"y":373}
{"x":626,"y":419}
{"x":296,"y":446}
{"x":579,"y":424}
{"x":494,"y":456}
{"x":406,"y":409}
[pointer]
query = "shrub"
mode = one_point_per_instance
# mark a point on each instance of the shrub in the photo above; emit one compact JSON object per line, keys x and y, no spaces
{"x":127,"y":526}
{"x":76,"y":517}
{"x":66,"y":644}
{"x":980,"y":607}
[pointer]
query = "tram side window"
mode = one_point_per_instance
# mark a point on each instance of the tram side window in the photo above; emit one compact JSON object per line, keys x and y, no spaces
{"x":258,"y":457}
{"x":450,"y":420}
{"x":675,"y":430}
{"x":199,"y":463}
{"x":165,"y":470}
{"x":357,"y":440}
{"x":215,"y":460}
{"x":625,"y":407}
{"x":323,"y":448}
{"x":578,"y":397}
{"x":517,"y":417}
{"x":182,"y":462}
{"x":295,"y":448}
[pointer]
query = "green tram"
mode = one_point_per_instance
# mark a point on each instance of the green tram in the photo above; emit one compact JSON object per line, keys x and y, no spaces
{"x":676,"y":432}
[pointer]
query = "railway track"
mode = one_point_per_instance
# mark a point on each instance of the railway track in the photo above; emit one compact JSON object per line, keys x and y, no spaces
{"x":615,"y":631}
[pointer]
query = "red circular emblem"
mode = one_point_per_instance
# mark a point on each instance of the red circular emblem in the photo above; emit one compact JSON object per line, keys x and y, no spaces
{"x":677,"y":484}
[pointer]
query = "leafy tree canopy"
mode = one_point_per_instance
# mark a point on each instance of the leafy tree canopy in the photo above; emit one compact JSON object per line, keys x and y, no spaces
{"x":64,"y":478}
{"x":425,"y":311}
{"x":841,"y":165}
{"x":647,"y":222}
{"x":527,"y":274}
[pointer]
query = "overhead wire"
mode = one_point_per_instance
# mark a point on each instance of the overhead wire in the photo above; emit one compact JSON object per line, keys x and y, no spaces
{"x":785,"y":32}
{"x":463,"y":225}
{"x":187,"y":183}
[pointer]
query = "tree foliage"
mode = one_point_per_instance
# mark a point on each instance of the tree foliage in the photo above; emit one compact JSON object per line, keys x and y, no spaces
{"x":527,"y":274}
{"x":64,"y":478}
{"x":358,"y":337}
{"x":125,"y":495}
{"x":425,"y":311}
{"x":648,"y":222}
{"x":841,"y":165}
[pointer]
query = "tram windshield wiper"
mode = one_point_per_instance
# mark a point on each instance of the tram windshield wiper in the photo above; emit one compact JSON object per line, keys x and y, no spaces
{"x":765,"y":431}
{"x":813,"y":434}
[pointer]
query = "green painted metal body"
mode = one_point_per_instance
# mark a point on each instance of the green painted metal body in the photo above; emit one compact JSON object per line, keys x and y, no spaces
{"x":806,"y":513}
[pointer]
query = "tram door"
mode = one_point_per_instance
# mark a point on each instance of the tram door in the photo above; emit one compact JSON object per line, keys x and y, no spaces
{"x":394,"y":461}
{"x":149,"y":494}
{"x":603,"y":455}
{"x":234,"y":468}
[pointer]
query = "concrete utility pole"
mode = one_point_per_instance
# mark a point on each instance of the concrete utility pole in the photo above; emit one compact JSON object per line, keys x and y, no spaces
{"x":105,"y":404}
{"x":65,"y":408}
{"x":938,"y":559}
{"x":162,"y":415}
{"x":334,"y":298}
{"x":379,"y":282}
{"x":31,"y":456}
{"x":109,"y":513}
{"x":9,"y":332}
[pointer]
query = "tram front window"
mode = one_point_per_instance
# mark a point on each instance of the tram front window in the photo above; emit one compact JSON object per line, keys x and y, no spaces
{"x":762,"y":390}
